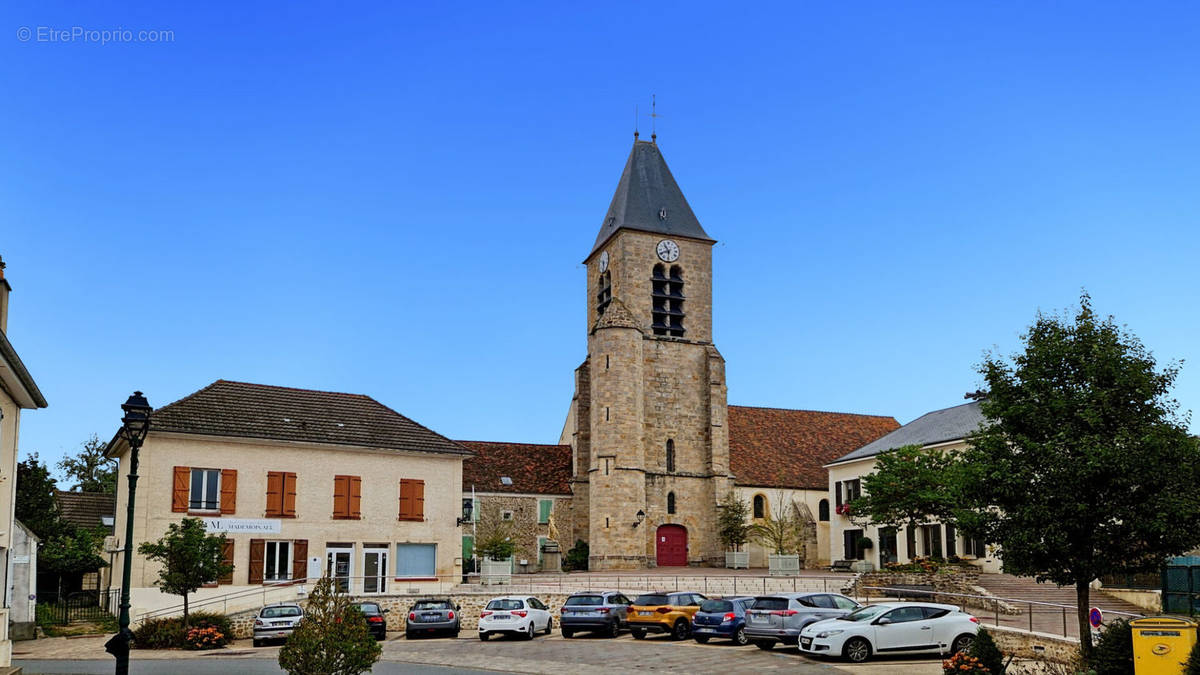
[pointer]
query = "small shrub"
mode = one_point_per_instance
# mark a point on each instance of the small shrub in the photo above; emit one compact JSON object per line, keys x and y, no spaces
{"x":204,"y":638}
{"x":168,"y":633}
{"x":963,"y":663}
{"x":577,"y":557}
{"x":1113,"y":653}
{"x":987,"y":653}
{"x":206,"y":619}
{"x":331,"y":639}
{"x":1192,"y":667}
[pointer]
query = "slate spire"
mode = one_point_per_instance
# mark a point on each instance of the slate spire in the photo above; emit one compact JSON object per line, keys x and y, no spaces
{"x":649,"y":200}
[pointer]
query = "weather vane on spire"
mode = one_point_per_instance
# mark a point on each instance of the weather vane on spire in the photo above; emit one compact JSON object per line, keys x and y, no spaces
{"x":653,"y":118}
{"x":635,"y":122}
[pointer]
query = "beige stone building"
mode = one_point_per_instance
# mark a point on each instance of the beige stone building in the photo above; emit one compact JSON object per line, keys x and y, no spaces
{"x":303,"y":483}
{"x":18,"y":392}
{"x":946,"y":430}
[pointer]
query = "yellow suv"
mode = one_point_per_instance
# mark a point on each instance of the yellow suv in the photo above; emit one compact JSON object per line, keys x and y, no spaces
{"x":664,"y":613}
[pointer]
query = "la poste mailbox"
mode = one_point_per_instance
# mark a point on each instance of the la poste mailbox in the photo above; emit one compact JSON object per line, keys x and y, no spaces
{"x":1161,"y":644}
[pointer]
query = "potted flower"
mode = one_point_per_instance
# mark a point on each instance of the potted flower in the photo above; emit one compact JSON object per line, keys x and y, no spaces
{"x":734,"y":530}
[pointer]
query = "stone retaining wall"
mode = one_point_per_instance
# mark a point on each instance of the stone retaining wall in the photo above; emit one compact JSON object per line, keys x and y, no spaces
{"x":961,"y":580}
{"x":1035,"y":646}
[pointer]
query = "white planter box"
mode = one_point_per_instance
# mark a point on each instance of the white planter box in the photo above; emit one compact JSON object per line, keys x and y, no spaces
{"x":737,"y":559}
{"x":783,"y":565}
{"x":492,"y":572}
{"x":862,"y":566}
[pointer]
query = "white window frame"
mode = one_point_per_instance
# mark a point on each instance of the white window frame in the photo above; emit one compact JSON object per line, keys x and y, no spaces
{"x":383,"y":574}
{"x":280,"y":544}
{"x":216,"y":497}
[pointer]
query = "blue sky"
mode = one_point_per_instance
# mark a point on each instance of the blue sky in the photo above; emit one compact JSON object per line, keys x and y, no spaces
{"x":395,"y":199}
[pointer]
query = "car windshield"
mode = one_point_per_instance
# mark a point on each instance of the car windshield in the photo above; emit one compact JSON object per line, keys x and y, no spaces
{"x":770,"y":604}
{"x":368,"y":608}
{"x":585,"y":600}
{"x":865,"y":614}
{"x":716,"y":606}
{"x":279,"y":612}
{"x":504,"y":604}
{"x":432,"y":604}
{"x":651,"y":599}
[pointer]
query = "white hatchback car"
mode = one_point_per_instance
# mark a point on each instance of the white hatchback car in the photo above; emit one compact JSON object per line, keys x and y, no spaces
{"x":891,"y":628}
{"x":521,"y":615}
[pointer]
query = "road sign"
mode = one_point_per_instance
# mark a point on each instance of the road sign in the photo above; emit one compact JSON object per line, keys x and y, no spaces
{"x":1095,"y":617}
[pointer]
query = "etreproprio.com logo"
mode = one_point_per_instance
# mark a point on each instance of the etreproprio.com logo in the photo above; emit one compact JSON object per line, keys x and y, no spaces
{"x":100,"y":36}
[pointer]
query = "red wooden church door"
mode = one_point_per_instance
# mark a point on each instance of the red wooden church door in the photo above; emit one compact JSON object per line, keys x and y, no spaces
{"x":671,"y":546}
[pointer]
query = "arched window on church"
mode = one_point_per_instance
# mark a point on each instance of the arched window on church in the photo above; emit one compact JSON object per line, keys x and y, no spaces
{"x":670,"y":455}
{"x":823,"y":511}
{"x":760,"y":506}
{"x":603,"y":292}
{"x":667,"y":301}
{"x":671,"y":503}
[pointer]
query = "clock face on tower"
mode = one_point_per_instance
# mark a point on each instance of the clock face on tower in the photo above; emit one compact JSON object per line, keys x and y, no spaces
{"x":604,"y":261}
{"x":668,"y":251}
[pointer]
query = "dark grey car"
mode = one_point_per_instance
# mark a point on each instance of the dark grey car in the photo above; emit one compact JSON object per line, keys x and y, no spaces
{"x":431,"y":616}
{"x":603,"y":612}
{"x":781,"y":617}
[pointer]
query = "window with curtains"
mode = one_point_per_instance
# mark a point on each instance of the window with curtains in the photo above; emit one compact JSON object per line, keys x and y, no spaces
{"x":416,"y":560}
{"x":205,"y":492}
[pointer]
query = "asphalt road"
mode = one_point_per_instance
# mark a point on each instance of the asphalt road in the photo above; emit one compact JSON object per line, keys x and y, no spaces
{"x":218,"y":666}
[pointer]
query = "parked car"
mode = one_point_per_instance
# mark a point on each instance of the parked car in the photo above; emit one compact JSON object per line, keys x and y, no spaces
{"x":604,"y":612}
{"x":276,"y":622}
{"x":376,"y":621}
{"x":521,"y":615}
{"x":722,"y":618}
{"x":893,"y":627}
{"x":780,"y":617}
{"x":431,"y":616}
{"x":664,"y":613}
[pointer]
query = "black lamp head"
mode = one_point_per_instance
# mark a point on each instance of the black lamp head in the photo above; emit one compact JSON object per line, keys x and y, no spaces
{"x":136,"y":422}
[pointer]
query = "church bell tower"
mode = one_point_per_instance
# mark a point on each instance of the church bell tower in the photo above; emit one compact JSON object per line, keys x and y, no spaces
{"x":648,"y":420}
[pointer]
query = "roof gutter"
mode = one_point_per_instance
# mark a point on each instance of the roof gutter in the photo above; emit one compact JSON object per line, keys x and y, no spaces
{"x":16,"y":378}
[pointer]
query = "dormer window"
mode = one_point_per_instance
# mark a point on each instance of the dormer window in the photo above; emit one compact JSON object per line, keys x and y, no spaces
{"x":667,"y":300}
{"x":603,"y":292}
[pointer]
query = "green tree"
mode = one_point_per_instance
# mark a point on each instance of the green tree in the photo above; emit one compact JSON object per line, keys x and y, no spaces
{"x":331,"y":639}
{"x":1084,"y":468}
{"x":74,"y":550}
{"x":190,"y":558}
{"x":733,"y":526}
{"x":909,"y":486}
{"x":90,"y":469}
{"x":35,"y":503}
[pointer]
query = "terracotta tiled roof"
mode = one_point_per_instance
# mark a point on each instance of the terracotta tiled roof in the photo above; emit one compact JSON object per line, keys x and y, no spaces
{"x":226,"y":408}
{"x":534,"y":469}
{"x":773,"y":447}
{"x":85,"y":508}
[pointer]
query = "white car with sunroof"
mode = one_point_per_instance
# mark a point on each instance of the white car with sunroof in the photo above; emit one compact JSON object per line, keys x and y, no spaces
{"x":891,"y":628}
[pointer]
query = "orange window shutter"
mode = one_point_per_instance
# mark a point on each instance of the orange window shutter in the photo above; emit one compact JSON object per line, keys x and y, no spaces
{"x":289,"y":495}
{"x":405,"y":499}
{"x":228,"y":491}
{"x":227,"y":556}
{"x":418,"y":500}
{"x":274,"y":493}
{"x":355,"y":496}
{"x":341,"y":496}
{"x":258,"y":549}
{"x":181,"y":484}
{"x":299,"y":559}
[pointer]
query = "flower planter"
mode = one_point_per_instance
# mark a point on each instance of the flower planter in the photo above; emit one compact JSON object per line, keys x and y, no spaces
{"x":737,"y":559}
{"x":493,"y":572}
{"x":783,"y":565}
{"x":862,"y":566}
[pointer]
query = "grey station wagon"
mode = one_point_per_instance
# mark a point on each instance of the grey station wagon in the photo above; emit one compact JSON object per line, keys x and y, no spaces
{"x":604,"y":612}
{"x":781,"y":617}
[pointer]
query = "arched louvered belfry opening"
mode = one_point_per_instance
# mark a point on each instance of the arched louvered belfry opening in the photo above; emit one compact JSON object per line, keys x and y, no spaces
{"x":667,"y":301}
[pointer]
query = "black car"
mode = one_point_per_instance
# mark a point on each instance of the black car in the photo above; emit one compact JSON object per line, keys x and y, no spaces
{"x":376,"y":622}
{"x":432,"y":617}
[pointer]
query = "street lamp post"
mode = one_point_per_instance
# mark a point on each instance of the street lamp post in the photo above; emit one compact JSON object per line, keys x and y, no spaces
{"x":134,"y":426}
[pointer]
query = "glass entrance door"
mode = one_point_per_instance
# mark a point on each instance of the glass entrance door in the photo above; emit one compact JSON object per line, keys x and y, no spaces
{"x":375,"y":567}
{"x":340,"y":566}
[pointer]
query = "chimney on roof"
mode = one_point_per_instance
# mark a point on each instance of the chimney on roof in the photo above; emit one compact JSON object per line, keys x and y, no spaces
{"x":5,"y":289}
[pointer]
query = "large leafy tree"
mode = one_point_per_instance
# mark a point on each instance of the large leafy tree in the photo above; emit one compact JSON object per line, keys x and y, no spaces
{"x":1085,"y":467}
{"x":331,"y":639}
{"x":189,"y":558}
{"x":35,"y":504}
{"x":910,"y":485}
{"x":90,"y":470}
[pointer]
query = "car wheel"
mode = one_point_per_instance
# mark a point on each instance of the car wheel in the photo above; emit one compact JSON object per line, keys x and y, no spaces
{"x":857,"y":650}
{"x":483,"y":637}
{"x":638,"y":633}
{"x":765,"y":645}
{"x":529,"y":631}
{"x":549,"y":626}
{"x":702,"y":639}
{"x":681,"y":630}
{"x":962,"y":643}
{"x":740,"y":639}
{"x":614,"y":629}
{"x":568,"y":633}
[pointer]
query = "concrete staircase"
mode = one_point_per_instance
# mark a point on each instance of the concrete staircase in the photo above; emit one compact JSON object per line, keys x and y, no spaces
{"x":1047,"y":619}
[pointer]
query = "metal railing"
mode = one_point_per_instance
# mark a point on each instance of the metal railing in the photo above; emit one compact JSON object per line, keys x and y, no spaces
{"x":78,"y":606}
{"x":1043,"y":612}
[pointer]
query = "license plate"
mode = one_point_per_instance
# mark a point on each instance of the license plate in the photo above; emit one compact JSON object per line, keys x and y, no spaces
{"x":645,"y":613}
{"x":705,"y":630}
{"x":754,"y":618}
{"x":430,"y":617}
{"x":502,"y":616}
{"x":806,"y":642}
